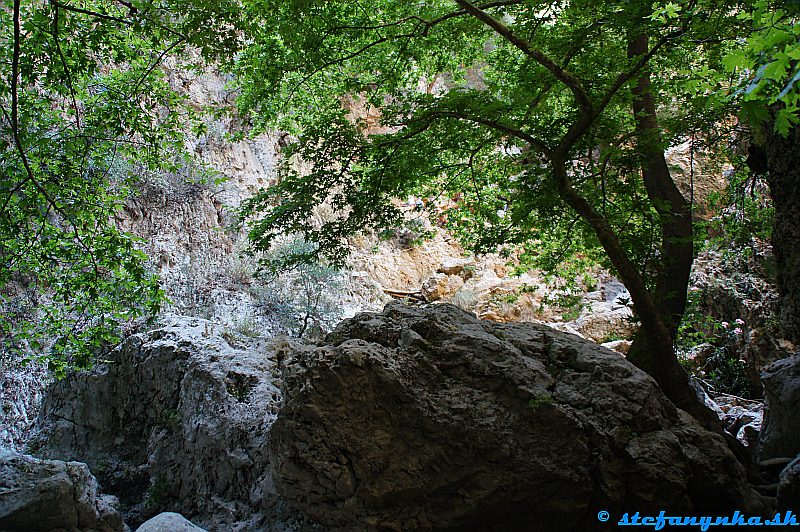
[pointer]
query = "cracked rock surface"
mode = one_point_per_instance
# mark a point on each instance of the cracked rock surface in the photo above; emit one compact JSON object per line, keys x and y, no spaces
{"x":53,"y":495}
{"x":426,"y":417}
{"x":178,"y":420}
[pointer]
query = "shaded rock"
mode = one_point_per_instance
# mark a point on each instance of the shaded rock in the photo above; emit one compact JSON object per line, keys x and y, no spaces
{"x":421,"y":418}
{"x":698,"y":355}
{"x":169,"y":522}
{"x":781,"y":434}
{"x":789,"y":487}
{"x":178,"y":421}
{"x":52,"y":495}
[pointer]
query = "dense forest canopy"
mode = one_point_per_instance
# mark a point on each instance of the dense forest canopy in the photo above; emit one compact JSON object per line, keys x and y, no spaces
{"x":541,"y":125}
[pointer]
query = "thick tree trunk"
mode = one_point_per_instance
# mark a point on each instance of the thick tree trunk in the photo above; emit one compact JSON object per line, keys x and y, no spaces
{"x":654,"y":342}
{"x":656,"y":353}
{"x":783,"y":176}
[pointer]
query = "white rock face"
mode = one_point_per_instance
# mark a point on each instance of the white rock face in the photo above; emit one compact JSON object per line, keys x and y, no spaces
{"x":21,"y":391}
{"x":697,"y":172}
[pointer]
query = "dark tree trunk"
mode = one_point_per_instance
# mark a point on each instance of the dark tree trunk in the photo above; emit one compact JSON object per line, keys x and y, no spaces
{"x":783,"y":176}
{"x":655,"y":353}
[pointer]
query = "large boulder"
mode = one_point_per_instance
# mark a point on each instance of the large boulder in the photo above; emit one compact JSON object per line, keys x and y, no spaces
{"x":43,"y":495}
{"x":419,"y":418}
{"x":177,"y":421}
{"x":780,"y":437}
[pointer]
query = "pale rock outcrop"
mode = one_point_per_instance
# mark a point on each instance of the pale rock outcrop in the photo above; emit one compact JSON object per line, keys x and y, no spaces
{"x":426,"y":417}
{"x":178,"y":420}
{"x":698,"y":172}
{"x":169,"y":522}
{"x":51,"y":495}
{"x":607,"y":316}
{"x":464,"y":268}
{"x":441,"y":286}
{"x":399,"y":267}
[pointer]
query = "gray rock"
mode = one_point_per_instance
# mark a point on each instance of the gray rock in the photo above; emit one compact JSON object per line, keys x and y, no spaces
{"x":178,"y":421}
{"x":422,"y":418}
{"x":736,"y":287}
{"x":781,"y":433}
{"x":789,"y":487}
{"x":169,"y":522}
{"x":48,"y":495}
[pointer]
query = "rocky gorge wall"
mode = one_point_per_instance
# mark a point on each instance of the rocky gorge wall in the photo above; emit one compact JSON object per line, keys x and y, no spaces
{"x":415,"y":418}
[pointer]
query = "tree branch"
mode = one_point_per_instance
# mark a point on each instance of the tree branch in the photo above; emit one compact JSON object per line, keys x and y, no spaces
{"x":95,"y":14}
{"x":66,"y":67}
{"x":573,"y":83}
{"x":496,"y":125}
{"x":15,"y":132}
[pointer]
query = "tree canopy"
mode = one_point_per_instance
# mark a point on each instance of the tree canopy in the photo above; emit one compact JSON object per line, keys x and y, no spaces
{"x":529,"y":125}
{"x":547,"y":120}
{"x":84,"y":106}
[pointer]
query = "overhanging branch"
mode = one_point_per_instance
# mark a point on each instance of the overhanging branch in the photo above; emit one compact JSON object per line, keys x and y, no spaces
{"x":572,"y":82}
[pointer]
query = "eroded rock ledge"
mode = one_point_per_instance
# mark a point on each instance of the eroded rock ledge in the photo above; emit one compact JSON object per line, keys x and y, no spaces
{"x":177,"y":421}
{"x":420,"y":418}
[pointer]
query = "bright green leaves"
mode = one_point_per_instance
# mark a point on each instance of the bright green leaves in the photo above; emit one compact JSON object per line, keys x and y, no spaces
{"x":766,"y":67}
{"x":785,"y":119}
{"x":667,"y":12}
{"x":445,"y":108}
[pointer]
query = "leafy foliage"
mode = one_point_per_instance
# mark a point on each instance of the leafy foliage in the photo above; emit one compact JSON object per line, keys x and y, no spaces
{"x":457,"y":107}
{"x":303,"y":295}
{"x":766,"y":69}
{"x":83,"y":102}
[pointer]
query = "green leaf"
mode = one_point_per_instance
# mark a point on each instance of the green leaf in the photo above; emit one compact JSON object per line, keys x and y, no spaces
{"x":785,"y":119}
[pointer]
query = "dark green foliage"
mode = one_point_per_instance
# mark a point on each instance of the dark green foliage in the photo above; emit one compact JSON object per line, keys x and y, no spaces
{"x":745,"y":213}
{"x":727,"y":373}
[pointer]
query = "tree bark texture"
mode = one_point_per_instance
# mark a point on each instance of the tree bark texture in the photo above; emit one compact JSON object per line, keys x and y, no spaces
{"x":783,"y":176}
